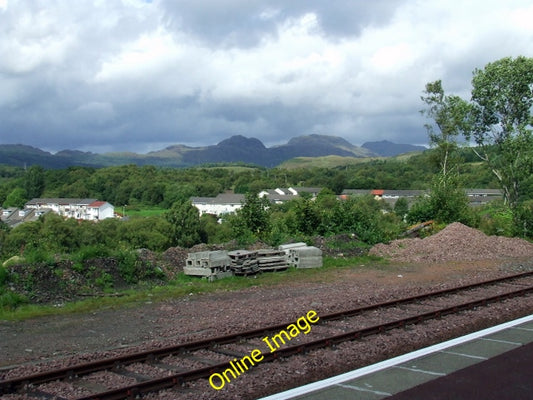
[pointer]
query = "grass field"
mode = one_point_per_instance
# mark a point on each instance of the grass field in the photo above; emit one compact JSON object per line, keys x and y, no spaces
{"x":323,"y":162}
{"x":145,"y":212}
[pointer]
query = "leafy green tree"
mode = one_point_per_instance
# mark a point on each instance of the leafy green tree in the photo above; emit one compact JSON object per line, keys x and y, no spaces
{"x":502,"y":101}
{"x":401,"y":207}
{"x":184,"y":220}
{"x":34,"y":181}
{"x":23,"y":237}
{"x":255,"y":213}
{"x":60,"y":235}
{"x":338,"y":183}
{"x":364,"y":216}
{"x":153,"y":233}
{"x":446,"y":203}
{"x":307,"y":216}
{"x":17,"y":198}
{"x":449,"y":122}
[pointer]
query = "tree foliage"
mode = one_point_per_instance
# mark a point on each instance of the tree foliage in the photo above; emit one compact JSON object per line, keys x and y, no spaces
{"x":184,"y":221}
{"x":17,"y":198}
{"x":449,"y":123}
{"x":252,"y":220}
{"x":502,"y":119}
{"x":34,"y":182}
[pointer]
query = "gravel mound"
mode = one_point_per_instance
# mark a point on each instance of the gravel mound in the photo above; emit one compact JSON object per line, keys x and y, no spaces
{"x":456,"y":242}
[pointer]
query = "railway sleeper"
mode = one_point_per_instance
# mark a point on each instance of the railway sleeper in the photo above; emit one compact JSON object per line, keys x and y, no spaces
{"x":130,"y":374}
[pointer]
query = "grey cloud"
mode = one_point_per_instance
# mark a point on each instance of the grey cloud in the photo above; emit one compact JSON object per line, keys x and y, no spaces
{"x":244,"y":23}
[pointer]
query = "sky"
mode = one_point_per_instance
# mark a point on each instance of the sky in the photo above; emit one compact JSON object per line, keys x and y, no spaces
{"x":133,"y":75}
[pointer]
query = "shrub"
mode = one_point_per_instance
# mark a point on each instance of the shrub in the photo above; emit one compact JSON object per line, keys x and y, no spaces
{"x":10,"y":300}
{"x":496,"y":218}
{"x":523,"y":219}
{"x":38,"y":255}
{"x":127,"y":266}
{"x":4,"y":275}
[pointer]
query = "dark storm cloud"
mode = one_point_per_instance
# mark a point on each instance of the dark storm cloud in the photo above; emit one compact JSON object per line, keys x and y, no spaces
{"x":140,"y":75}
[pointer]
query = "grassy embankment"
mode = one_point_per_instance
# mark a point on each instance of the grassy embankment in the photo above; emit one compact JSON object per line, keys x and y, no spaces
{"x":185,"y":285}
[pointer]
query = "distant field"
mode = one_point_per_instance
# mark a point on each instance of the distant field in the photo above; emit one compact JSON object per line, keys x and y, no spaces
{"x":145,"y":212}
{"x":324,"y":162}
{"x":337,"y":161}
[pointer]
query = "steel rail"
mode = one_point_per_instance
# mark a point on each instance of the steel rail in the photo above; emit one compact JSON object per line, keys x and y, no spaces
{"x":141,"y":388}
{"x":13,"y":384}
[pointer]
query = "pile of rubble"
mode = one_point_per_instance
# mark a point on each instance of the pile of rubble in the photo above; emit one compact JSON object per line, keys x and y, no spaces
{"x":219,"y":264}
{"x":456,"y":242}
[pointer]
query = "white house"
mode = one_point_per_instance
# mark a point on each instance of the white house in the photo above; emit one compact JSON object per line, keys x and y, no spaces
{"x":224,"y":203}
{"x":86,"y":209}
{"x":100,"y":210}
{"x":229,"y":203}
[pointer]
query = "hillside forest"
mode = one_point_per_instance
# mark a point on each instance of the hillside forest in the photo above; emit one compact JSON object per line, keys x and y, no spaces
{"x":158,"y":214}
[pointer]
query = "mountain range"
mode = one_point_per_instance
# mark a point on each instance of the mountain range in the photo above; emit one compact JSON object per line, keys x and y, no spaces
{"x":234,"y":149}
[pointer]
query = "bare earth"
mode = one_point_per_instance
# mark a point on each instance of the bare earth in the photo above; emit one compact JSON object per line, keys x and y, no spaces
{"x":71,"y":339}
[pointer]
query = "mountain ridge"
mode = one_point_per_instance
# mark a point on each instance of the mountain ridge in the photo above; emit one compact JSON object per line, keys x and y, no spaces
{"x":236,"y":148}
{"x":386,"y":148}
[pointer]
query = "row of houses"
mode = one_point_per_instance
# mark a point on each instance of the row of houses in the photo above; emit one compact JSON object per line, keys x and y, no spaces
{"x":82,"y":209}
{"x":95,"y":210}
{"x":229,"y":202}
{"x":226,"y":203}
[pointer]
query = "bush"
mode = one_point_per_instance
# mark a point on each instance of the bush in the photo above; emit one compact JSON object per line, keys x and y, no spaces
{"x":88,"y":253}
{"x":446,"y":203}
{"x":496,"y":218}
{"x":523,"y":219}
{"x":38,"y":255}
{"x":366,"y":218}
{"x":127,"y":266}
{"x":133,"y":270}
{"x":3,"y":276}
{"x":11,"y":300}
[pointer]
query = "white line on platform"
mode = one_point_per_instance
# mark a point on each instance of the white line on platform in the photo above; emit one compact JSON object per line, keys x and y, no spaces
{"x":502,"y":341}
{"x":465,"y":355}
{"x":421,"y":371}
{"x":360,"y":389}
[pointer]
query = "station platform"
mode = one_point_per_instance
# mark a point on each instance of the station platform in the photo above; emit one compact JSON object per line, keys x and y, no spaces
{"x":492,"y":364}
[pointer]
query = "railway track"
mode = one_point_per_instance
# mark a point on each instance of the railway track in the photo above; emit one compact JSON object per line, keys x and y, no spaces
{"x":176,"y":365}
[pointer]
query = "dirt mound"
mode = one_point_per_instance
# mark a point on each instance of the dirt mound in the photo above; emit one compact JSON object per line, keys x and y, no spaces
{"x":456,"y":242}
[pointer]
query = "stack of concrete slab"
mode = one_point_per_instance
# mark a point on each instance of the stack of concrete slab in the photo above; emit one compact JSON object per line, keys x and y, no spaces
{"x":287,"y":249}
{"x":244,"y":262}
{"x":271,"y":260}
{"x":306,"y":257}
{"x":211,"y":265}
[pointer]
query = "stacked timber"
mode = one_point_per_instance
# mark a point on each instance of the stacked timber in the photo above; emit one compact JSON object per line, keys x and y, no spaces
{"x":271,"y":260}
{"x":244,"y":262}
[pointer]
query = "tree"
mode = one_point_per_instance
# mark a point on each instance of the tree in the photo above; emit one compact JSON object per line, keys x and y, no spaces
{"x":153,"y":233}
{"x":401,"y":207}
{"x":256,"y":213}
{"x":34,"y":181}
{"x":307,"y":216}
{"x":502,"y":101}
{"x":447,"y":201}
{"x":449,"y":123}
{"x":185,"y":221}
{"x":17,"y":198}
